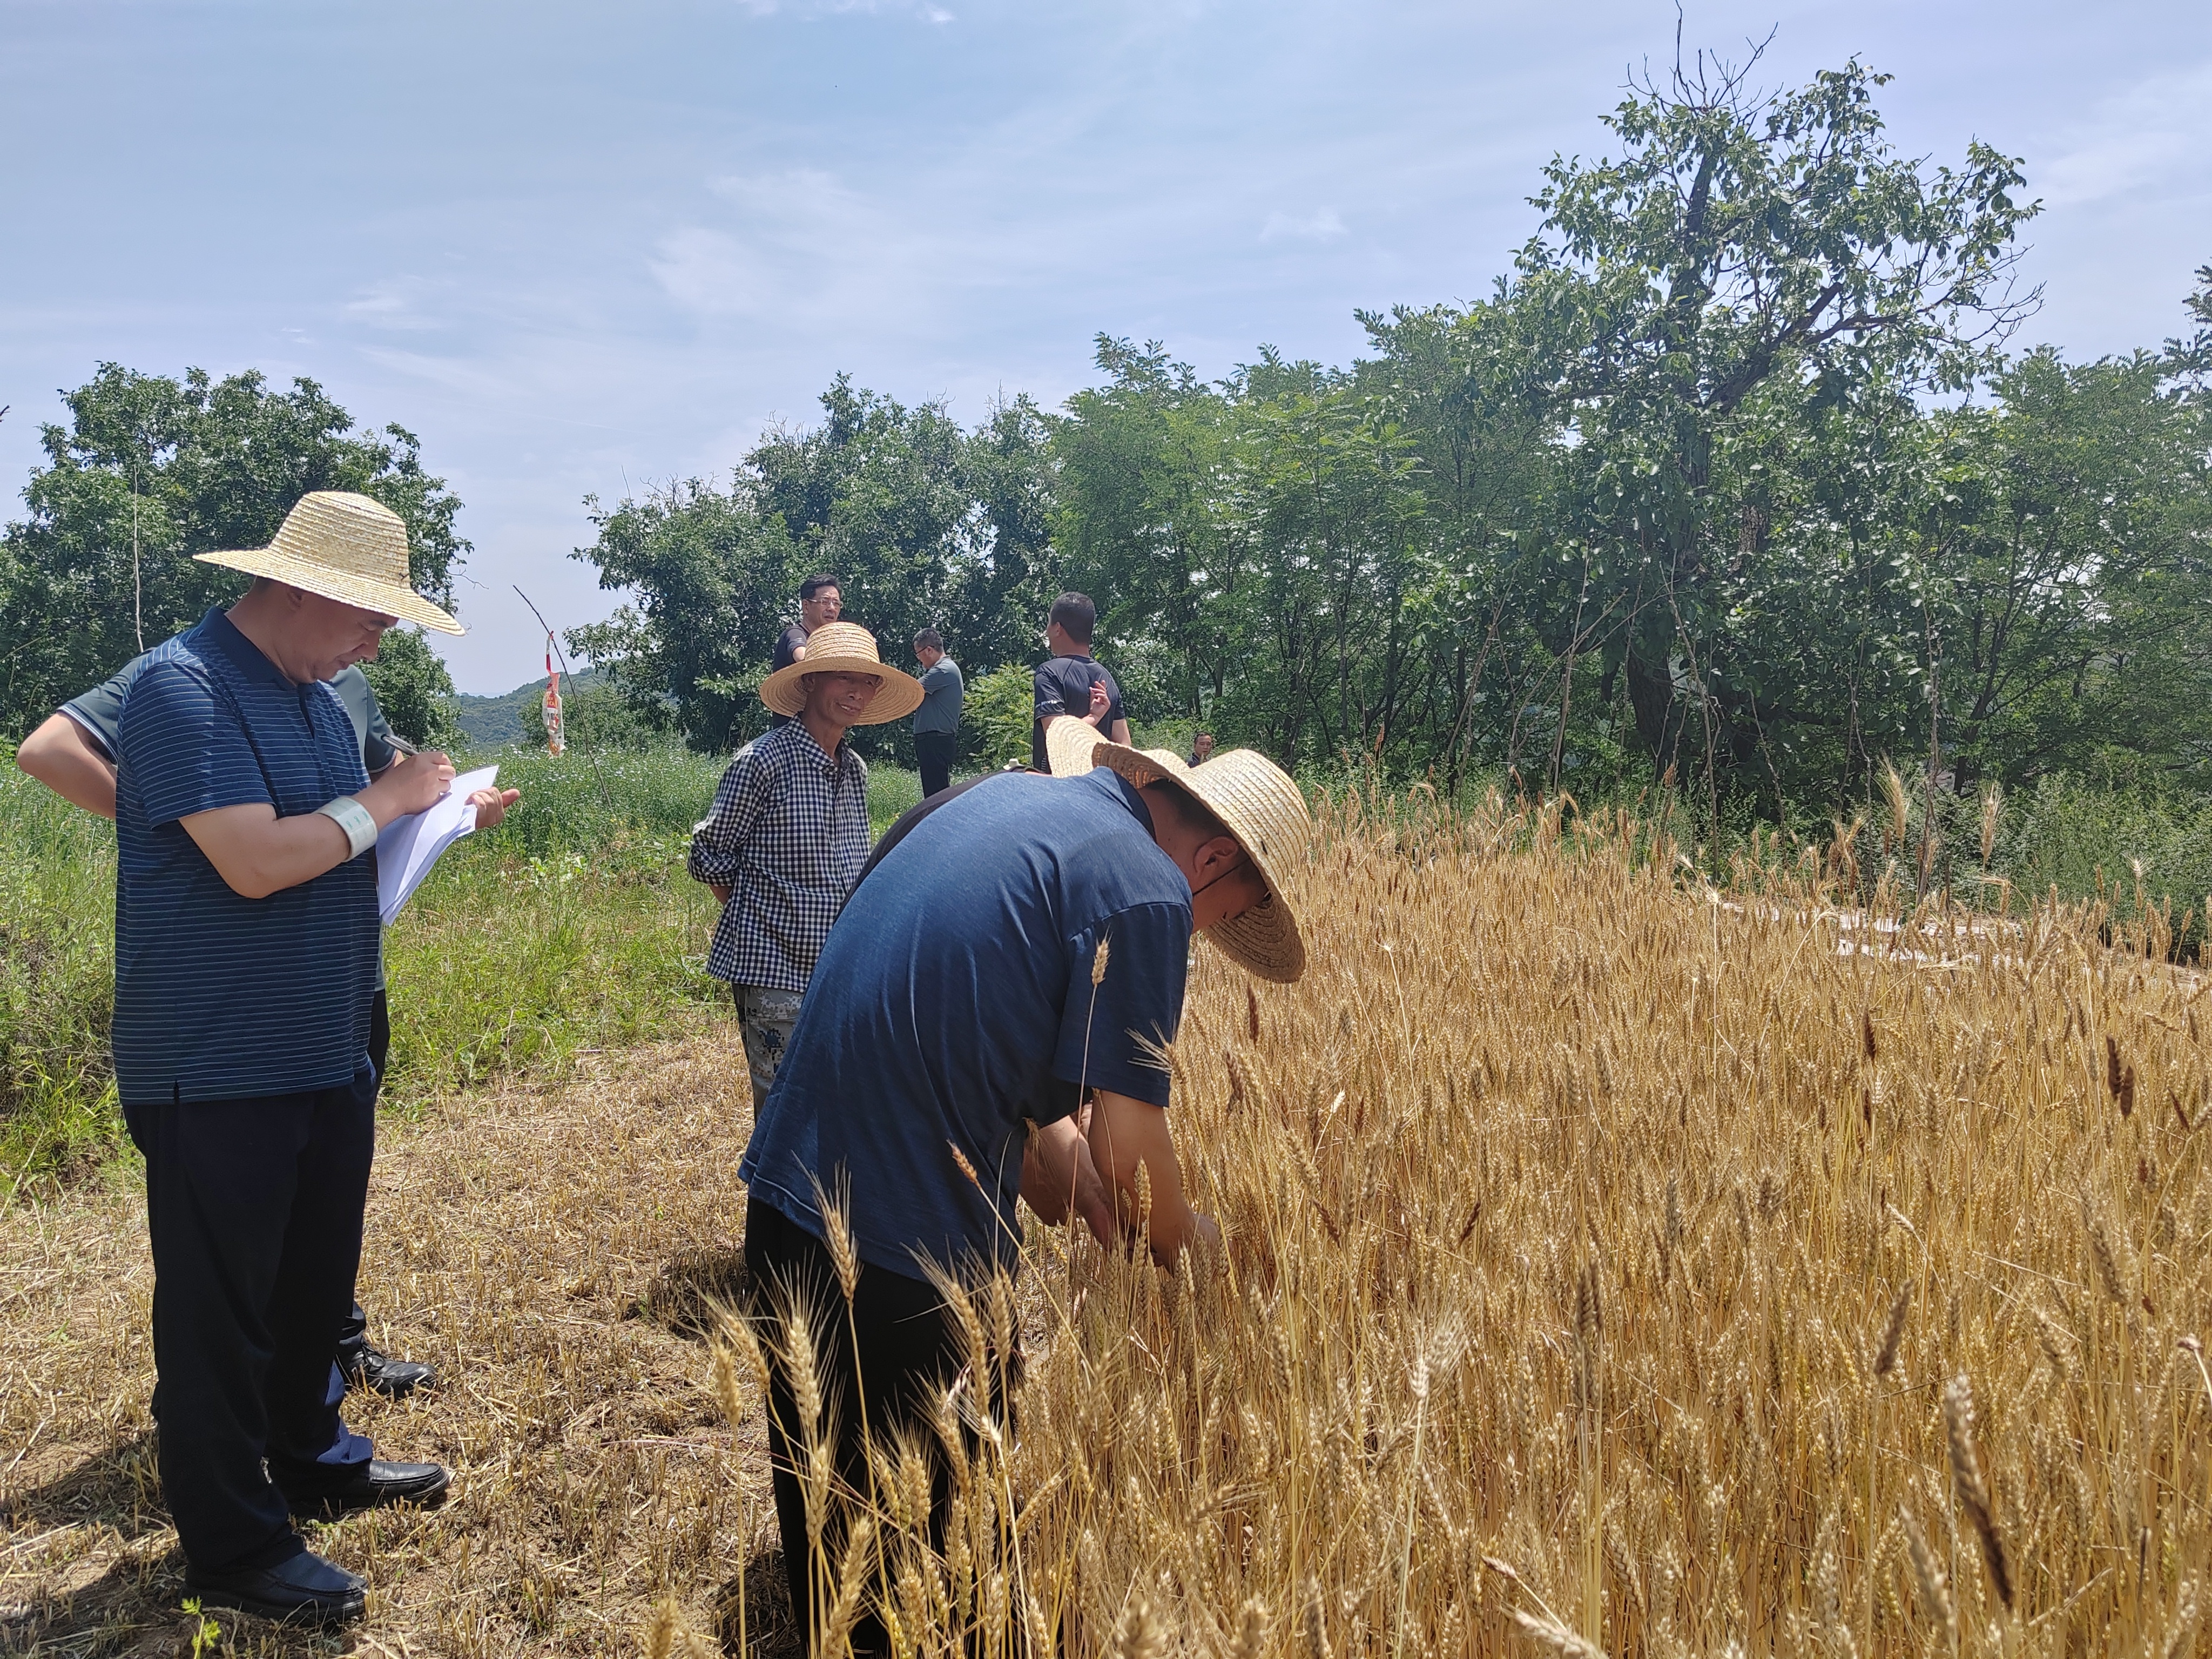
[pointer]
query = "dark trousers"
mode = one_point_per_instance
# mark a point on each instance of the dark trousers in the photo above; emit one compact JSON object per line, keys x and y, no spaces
{"x":910,"y":1350}
{"x":932,"y":755}
{"x":254,"y":1207}
{"x":353,"y":1329}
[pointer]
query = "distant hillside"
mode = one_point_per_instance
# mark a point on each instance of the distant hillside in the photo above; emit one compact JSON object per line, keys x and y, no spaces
{"x":496,"y":722}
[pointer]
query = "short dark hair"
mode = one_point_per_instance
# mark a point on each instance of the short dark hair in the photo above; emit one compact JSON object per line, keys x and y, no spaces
{"x":929,"y":639}
{"x":814,"y":585}
{"x":1194,"y":814}
{"x":1195,"y":736}
{"x":1076,"y":616}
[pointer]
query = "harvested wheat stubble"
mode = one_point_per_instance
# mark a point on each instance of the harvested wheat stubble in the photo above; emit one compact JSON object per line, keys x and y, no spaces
{"x":1571,"y":1216}
{"x":541,"y":1246}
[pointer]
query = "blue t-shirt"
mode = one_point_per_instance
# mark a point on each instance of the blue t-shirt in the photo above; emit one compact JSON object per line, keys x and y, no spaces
{"x":954,"y":999}
{"x":219,"y":996}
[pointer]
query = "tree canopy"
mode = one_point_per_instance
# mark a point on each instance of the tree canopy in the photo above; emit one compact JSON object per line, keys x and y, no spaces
{"x":1733,"y":478}
{"x":1737,"y":478}
{"x":151,"y":470}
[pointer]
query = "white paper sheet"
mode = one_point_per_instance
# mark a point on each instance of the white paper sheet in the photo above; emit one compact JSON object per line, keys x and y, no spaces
{"x":409,"y":845}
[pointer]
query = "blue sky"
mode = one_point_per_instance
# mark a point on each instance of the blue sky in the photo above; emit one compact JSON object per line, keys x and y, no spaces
{"x":581,"y":249}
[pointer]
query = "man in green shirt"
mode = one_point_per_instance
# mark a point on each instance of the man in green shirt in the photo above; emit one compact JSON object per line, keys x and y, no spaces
{"x":73,"y":754}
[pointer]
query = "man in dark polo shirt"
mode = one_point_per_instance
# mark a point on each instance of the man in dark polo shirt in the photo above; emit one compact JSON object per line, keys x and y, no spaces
{"x":820,"y":602}
{"x":246,"y":949}
{"x":1025,"y":941}
{"x":73,"y":754}
{"x":1070,"y":682}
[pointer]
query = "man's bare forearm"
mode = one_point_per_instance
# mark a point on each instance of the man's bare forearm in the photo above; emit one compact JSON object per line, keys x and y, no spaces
{"x":257,"y":853}
{"x":1125,"y":1135}
{"x":61,"y":755}
{"x":1058,"y":1176}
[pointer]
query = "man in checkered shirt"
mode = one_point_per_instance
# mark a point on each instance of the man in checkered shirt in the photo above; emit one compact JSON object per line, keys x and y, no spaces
{"x":788,"y":832}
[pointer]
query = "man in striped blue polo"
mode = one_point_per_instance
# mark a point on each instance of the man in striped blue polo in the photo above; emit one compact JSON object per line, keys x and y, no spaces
{"x":246,"y":951}
{"x":73,"y":754}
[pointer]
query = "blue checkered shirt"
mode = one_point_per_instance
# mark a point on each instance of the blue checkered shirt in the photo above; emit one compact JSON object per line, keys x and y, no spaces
{"x":788,"y":834}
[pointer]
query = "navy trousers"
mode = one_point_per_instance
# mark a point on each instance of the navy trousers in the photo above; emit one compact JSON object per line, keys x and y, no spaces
{"x":934,"y":753}
{"x":254,"y":1207}
{"x":353,"y":1330}
{"x":910,"y":1348}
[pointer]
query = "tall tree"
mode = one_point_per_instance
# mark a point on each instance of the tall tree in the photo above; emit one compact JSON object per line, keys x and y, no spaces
{"x":1145,"y":525}
{"x":1005,"y":577}
{"x":924,"y":526}
{"x":1740,"y":240}
{"x":713,"y":576}
{"x":878,"y":495}
{"x":150,"y":469}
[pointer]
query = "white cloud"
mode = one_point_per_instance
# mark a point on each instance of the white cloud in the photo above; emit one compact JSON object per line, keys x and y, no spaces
{"x":710,"y":271}
{"x":803,"y":248}
{"x":2155,"y":131}
{"x":395,"y":303}
{"x":798,"y":246}
{"x":1322,"y":225}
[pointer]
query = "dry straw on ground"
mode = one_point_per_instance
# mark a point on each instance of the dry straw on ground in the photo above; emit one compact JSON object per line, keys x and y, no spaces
{"x":549,"y":1251}
{"x":1605,"y":1256}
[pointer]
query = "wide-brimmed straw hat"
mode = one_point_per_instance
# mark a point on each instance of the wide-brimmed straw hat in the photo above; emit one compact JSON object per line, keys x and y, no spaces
{"x":344,"y":547}
{"x":843,"y":649}
{"x":1256,"y":802}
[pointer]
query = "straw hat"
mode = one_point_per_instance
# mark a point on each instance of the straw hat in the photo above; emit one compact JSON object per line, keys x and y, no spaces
{"x":1256,"y":802}
{"x":843,"y":649}
{"x":344,"y":547}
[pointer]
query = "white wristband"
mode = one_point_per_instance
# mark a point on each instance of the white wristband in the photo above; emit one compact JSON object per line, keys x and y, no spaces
{"x":350,"y":816}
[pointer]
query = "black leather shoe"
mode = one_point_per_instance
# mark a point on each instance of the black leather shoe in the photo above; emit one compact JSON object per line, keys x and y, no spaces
{"x":368,"y":1368}
{"x":379,"y":1482}
{"x":304,"y":1590}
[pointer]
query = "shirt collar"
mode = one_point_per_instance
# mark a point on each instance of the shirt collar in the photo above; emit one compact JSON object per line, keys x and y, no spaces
{"x":1125,"y":792}
{"x":807,"y":738}
{"x":217,"y":628}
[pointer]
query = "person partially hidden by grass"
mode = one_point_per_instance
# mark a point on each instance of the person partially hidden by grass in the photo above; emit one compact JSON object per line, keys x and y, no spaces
{"x":247,"y":939}
{"x":73,"y":754}
{"x":788,"y":831}
{"x":1021,"y":942}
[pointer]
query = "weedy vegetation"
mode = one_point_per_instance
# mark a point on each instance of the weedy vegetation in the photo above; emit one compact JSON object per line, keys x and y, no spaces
{"x":1616,"y":1263}
{"x":571,"y":929}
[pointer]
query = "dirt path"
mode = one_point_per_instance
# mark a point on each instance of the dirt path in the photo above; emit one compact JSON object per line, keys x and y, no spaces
{"x":539,"y":1245}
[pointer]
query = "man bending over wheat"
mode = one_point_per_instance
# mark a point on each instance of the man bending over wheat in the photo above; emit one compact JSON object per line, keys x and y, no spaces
{"x":1020,"y":944}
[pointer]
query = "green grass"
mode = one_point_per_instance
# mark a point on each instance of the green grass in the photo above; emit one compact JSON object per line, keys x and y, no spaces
{"x":2135,"y":849}
{"x":573,"y":927}
{"x":56,"y":979}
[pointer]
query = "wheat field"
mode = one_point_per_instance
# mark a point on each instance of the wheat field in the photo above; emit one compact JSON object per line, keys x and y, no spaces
{"x":1616,"y":1264}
